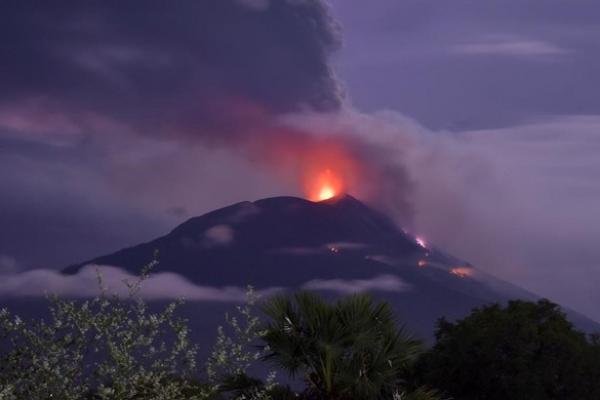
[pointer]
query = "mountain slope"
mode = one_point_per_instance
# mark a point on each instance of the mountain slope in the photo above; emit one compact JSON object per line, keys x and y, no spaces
{"x":335,"y":246}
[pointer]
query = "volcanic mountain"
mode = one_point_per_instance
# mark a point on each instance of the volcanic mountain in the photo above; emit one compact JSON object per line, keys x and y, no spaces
{"x":337,"y":246}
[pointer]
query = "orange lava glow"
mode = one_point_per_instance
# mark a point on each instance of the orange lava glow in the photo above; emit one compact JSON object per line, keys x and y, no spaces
{"x":324,"y":185}
{"x":326,"y":192}
{"x":329,"y":170}
{"x":323,"y":168}
{"x":461,"y":272}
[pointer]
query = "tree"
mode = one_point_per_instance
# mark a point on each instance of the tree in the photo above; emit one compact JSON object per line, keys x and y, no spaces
{"x":104,"y":348}
{"x":523,"y":351}
{"x":351,"y":349}
{"x":110,"y":347}
{"x":236,"y":349}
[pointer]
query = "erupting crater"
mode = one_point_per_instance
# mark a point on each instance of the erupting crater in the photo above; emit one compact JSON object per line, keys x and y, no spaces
{"x":324,"y":186}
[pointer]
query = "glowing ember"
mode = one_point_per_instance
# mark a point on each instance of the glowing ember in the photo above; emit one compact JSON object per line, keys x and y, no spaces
{"x":461,"y":272}
{"x":421,"y":242}
{"x":422,"y":263}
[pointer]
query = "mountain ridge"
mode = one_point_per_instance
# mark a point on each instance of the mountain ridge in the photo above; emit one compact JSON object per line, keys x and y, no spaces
{"x":292,"y":243}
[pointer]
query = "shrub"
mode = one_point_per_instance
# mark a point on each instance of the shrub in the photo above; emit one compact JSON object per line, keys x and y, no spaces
{"x":104,"y":348}
{"x":523,"y":351}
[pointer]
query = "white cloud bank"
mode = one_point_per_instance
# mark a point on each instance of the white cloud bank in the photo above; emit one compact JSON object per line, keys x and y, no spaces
{"x":164,"y":285}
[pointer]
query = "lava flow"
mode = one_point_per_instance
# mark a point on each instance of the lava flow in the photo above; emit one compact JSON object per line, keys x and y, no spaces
{"x":461,"y":272}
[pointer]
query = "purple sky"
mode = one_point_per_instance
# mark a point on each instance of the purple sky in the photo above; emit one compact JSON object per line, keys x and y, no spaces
{"x":480,"y":119}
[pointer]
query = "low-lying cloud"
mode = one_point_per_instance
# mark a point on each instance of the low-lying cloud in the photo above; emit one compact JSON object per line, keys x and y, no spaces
{"x":92,"y":280}
{"x":85,"y":284}
{"x":383,"y":283}
{"x":219,"y":235}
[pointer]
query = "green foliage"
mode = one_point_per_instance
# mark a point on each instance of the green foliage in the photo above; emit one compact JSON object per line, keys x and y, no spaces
{"x":104,"y":348}
{"x":117,"y":348}
{"x":351,"y":349}
{"x":236,"y":349}
{"x":522,"y":351}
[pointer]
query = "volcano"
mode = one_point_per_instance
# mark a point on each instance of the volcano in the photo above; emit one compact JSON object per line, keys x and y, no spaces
{"x":337,"y":246}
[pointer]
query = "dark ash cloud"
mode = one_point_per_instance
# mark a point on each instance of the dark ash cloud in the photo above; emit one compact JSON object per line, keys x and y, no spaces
{"x":159,"y":66}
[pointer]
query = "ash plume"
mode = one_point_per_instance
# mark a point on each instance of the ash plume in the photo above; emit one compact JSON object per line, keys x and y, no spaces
{"x":213,"y":73}
{"x":196,"y":66}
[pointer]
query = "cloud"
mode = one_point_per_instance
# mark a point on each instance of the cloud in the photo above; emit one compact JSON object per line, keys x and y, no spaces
{"x":160,"y":286}
{"x":510,"y":46}
{"x":37,"y":117}
{"x":516,"y":202}
{"x":218,"y":235}
{"x":386,"y":283}
{"x":195,"y":68}
{"x":413,"y":67}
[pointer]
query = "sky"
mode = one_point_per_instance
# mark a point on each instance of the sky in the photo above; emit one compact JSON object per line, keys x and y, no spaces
{"x":474,"y":124}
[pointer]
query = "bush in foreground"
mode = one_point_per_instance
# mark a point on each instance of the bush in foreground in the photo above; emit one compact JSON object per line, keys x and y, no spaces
{"x":524,"y":351}
{"x":117,"y":348}
{"x":351,"y":349}
{"x":104,"y":348}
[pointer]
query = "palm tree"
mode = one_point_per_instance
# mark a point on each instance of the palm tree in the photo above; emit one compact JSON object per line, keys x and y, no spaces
{"x":351,"y":349}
